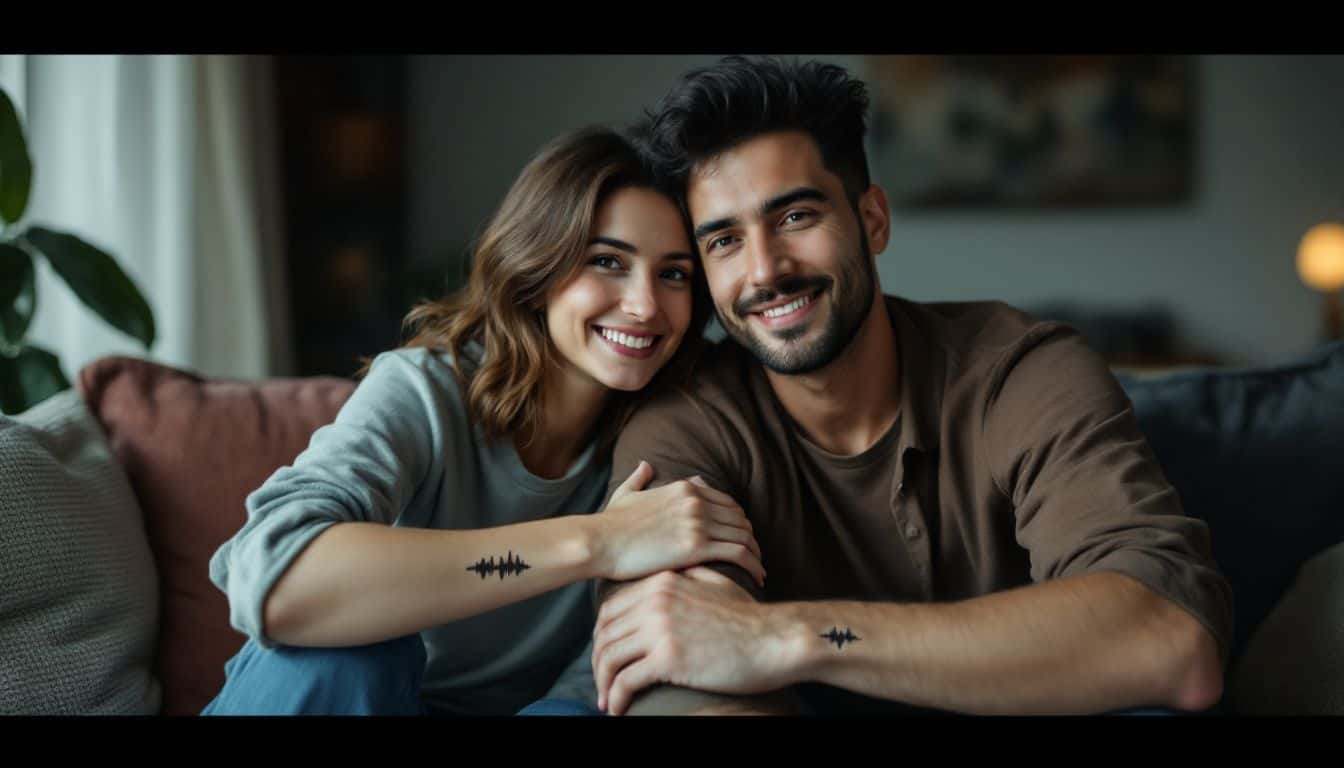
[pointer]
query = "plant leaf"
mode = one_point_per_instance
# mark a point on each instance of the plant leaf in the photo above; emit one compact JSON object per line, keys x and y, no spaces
{"x":28,"y":378}
{"x":98,"y":282}
{"x":16,"y":167}
{"x":18,"y":294}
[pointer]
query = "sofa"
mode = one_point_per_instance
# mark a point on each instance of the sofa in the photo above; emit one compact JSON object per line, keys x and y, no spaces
{"x":114,"y":494}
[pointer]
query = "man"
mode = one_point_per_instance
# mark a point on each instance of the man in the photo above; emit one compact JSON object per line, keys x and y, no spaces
{"x":955,"y":505}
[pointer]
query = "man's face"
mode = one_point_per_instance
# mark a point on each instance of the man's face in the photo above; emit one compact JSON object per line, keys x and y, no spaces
{"x":788,"y":262}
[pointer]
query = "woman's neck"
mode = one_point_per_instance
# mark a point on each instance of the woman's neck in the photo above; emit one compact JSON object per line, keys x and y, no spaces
{"x":571,"y":404}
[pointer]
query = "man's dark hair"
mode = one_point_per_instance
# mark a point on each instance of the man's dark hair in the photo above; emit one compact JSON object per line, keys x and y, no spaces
{"x":716,"y":108}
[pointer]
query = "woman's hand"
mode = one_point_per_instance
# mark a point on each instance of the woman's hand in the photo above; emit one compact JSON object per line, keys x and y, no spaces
{"x":676,"y":526}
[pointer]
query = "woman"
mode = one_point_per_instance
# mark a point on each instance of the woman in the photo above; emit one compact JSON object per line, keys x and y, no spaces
{"x":431,"y":550}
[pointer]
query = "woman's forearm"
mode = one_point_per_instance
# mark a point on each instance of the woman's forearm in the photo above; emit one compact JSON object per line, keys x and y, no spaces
{"x":361,"y":583}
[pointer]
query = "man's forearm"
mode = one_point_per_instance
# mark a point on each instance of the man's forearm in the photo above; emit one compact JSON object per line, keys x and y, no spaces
{"x":1085,"y":644}
{"x":661,"y":700}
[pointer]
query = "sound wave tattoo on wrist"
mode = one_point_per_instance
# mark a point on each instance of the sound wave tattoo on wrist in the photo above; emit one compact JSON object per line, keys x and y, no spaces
{"x":505,"y":567}
{"x":835,"y":636}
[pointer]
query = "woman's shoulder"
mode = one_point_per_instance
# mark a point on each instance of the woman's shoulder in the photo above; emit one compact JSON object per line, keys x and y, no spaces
{"x":425,"y":371}
{"x":412,"y":360}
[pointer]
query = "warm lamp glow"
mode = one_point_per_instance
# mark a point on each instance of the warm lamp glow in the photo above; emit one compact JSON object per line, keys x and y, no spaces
{"x":1320,"y":257}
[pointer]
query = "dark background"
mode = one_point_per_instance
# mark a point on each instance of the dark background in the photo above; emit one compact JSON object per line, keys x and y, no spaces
{"x":393,"y":163}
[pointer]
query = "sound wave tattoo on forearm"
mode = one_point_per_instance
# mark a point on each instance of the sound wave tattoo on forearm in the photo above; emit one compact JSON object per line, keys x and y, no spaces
{"x":506,"y":567}
{"x":839,"y":639}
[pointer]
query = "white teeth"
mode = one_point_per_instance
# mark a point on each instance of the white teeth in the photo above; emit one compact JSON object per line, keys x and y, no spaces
{"x":787,"y":308}
{"x":633,"y":342}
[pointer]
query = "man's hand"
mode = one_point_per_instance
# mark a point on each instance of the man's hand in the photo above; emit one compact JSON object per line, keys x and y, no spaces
{"x":696,"y":629}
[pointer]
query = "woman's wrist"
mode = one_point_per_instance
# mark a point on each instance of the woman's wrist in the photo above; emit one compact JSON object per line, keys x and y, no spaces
{"x":595,"y":544}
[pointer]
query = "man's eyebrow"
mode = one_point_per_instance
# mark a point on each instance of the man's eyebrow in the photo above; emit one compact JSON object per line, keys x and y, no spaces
{"x":773,"y":204}
{"x":614,"y":243}
{"x":713,"y":226}
{"x":791,"y":197}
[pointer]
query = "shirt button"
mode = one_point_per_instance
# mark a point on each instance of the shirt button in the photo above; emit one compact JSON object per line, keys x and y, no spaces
{"x":912,"y":531}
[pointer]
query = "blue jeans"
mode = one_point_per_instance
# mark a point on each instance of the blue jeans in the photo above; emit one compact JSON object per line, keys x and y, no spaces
{"x":378,"y":679}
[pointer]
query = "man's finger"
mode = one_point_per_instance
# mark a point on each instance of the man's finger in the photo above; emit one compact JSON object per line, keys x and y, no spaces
{"x":631,"y":680}
{"x":631,"y":596}
{"x":615,"y":657}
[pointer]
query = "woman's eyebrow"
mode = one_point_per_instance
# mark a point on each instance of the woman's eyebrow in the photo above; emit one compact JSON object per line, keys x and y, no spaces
{"x":614,"y":243}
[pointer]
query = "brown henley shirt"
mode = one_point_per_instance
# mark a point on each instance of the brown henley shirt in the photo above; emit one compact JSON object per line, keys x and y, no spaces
{"x":1015,"y":458}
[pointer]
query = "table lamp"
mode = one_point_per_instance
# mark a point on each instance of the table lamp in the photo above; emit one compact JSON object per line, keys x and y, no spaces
{"x":1320,"y":264}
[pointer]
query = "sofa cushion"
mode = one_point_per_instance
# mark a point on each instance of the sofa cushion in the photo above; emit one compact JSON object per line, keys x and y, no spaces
{"x":78,"y":592}
{"x":1256,"y":454}
{"x":1294,"y":661}
{"x":193,"y":449}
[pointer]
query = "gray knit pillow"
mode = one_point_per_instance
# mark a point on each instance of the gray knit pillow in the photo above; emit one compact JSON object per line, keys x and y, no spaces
{"x":1294,"y":663}
{"x":78,"y":587}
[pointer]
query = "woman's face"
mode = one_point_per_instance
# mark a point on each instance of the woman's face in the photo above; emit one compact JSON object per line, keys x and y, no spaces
{"x":622,"y":315}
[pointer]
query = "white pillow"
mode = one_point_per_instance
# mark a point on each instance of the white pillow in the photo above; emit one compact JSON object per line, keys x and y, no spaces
{"x":1294,"y":661}
{"x":78,"y":588}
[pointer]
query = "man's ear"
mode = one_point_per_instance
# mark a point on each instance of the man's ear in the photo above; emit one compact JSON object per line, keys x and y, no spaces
{"x":875,"y":215}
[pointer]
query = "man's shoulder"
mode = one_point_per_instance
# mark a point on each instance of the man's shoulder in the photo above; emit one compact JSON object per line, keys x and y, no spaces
{"x":978,"y":334}
{"x":721,"y":383}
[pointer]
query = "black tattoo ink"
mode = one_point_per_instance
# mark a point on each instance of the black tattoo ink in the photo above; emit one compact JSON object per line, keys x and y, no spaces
{"x":840,"y":639}
{"x":505,"y":566}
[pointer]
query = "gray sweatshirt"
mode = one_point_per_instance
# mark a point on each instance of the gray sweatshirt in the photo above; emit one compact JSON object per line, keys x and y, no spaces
{"x":403,"y":451}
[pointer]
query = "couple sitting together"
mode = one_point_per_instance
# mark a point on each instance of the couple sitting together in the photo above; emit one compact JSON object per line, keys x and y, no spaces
{"x":558,"y":498}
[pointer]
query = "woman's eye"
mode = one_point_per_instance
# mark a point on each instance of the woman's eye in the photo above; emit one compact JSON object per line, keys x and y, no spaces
{"x":679,"y":275}
{"x":606,"y":262}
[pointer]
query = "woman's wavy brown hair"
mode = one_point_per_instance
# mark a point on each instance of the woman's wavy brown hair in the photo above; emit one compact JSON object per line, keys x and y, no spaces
{"x":534,"y":243}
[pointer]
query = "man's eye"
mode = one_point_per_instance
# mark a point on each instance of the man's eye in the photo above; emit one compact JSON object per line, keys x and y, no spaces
{"x":797,"y":216}
{"x":721,"y":242}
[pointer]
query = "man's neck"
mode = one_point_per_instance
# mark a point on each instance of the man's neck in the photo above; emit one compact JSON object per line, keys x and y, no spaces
{"x":570,"y":407}
{"x":850,"y":404}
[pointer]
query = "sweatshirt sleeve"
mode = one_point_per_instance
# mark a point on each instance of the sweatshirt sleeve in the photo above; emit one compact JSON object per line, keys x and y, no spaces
{"x":382,"y":460}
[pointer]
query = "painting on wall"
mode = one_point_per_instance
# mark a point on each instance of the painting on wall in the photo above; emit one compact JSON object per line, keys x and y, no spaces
{"x":1031,"y":131}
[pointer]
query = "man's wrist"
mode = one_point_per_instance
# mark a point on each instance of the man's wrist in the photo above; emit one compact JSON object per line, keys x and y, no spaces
{"x":790,"y":654}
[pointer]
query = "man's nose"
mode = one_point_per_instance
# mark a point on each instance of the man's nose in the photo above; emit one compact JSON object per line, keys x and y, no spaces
{"x":767,"y":261}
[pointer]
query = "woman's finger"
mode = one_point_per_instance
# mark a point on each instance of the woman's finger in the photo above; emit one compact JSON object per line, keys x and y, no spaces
{"x":721,"y":532}
{"x":739,"y":555}
{"x":709,"y":493}
{"x":730,"y":516}
{"x":639,"y":478}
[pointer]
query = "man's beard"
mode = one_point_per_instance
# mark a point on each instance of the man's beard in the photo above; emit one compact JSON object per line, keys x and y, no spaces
{"x":851,"y":300}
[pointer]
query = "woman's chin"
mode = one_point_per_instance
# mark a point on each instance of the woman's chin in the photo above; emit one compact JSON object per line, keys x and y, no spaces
{"x":626,"y":383}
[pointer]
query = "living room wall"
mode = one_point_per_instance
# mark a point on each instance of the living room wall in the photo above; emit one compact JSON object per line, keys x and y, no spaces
{"x":1269,"y":164}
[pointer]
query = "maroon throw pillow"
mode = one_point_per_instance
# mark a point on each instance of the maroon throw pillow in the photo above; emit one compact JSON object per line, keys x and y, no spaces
{"x":194,"y":448}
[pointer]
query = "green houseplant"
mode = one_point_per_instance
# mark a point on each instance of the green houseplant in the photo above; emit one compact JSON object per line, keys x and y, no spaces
{"x":29,"y":373}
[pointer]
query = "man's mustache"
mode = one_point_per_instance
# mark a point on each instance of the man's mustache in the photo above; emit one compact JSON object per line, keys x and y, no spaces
{"x":785,"y":287}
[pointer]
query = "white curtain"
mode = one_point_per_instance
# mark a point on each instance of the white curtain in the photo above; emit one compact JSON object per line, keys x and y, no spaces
{"x":169,"y":164}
